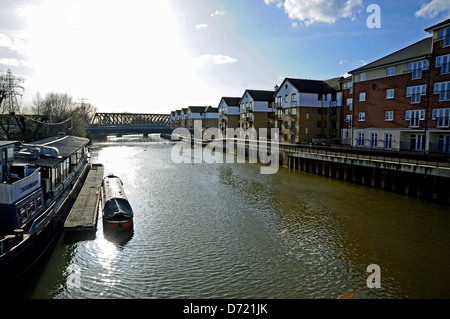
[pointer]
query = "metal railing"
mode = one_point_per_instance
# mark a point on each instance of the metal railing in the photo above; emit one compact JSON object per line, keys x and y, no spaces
{"x":372,"y":154}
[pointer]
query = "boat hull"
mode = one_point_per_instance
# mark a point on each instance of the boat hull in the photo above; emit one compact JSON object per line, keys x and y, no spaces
{"x":24,"y":256}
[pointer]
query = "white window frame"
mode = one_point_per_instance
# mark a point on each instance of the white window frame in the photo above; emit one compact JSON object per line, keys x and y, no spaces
{"x":390,"y":94}
{"x":416,"y":92}
{"x":294,"y":111}
{"x":390,"y":71}
{"x":389,"y":116}
{"x":374,"y":140}
{"x":362,"y":96}
{"x":416,"y":68}
{"x":349,"y":121}
{"x":444,"y":34}
{"x":414,"y":117}
{"x":443,"y":89}
{"x":388,"y":141}
{"x":443,"y":62}
{"x":361,"y":141}
{"x":442,"y":117}
{"x":350,"y":103}
{"x":362,"y":117}
{"x":362,"y":77}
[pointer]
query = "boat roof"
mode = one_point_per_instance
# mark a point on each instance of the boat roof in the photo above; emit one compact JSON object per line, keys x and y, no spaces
{"x":66,"y":146}
{"x":7,"y":143}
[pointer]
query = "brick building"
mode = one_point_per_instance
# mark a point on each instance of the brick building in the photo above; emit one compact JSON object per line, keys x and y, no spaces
{"x":401,"y":101}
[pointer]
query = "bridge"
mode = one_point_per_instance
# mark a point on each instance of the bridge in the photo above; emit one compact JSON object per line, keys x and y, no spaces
{"x":129,"y":123}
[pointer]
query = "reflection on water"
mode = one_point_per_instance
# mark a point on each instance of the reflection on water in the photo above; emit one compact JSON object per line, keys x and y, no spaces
{"x":225,"y":231}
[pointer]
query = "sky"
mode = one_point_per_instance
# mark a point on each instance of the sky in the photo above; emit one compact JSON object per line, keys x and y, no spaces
{"x":157,"y":56}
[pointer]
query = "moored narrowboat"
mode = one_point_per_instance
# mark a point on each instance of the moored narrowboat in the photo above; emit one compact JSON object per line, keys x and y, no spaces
{"x":117,"y":212}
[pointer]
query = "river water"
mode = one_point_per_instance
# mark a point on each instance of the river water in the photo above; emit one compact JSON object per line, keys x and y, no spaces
{"x":226,"y":231}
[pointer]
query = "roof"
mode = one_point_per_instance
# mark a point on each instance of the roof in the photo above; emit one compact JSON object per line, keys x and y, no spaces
{"x":66,"y":146}
{"x":414,"y":51}
{"x":314,"y":86}
{"x":232,"y":101}
{"x":259,"y":95}
{"x":197,"y":109}
{"x":7,"y":143}
{"x":211,"y":109}
{"x":439,"y":25}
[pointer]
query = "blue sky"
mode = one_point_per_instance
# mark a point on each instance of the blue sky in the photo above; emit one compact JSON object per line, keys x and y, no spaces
{"x":158,"y":56}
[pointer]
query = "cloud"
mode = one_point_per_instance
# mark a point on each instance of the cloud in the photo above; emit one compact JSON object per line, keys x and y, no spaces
{"x":217,"y":13}
{"x":216,"y":59}
{"x":434,"y":8}
{"x":363,"y":62}
{"x":342,"y":62}
{"x":11,"y":62}
{"x":201,"y":26}
{"x":311,"y":11}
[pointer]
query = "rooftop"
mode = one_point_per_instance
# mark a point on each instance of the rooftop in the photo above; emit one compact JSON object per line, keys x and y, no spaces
{"x":414,"y":51}
{"x":232,"y":101}
{"x":439,"y":25}
{"x":259,"y":95}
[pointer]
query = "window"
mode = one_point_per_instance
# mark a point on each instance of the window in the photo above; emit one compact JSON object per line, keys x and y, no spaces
{"x":350,"y":104}
{"x":416,"y":68}
{"x":388,"y":141}
{"x":362,"y":96}
{"x":293,"y":97}
{"x":293,"y":124}
{"x":286,"y":124}
{"x":360,"y":139}
{"x":443,"y":62}
{"x":442,"y":117}
{"x":319,"y":124}
{"x":390,"y":94}
{"x":294,"y":111}
{"x":443,"y":89}
{"x":390,"y":71}
{"x":362,"y":117}
{"x":286,"y":98}
{"x":444,"y":144}
{"x":293,"y":138}
{"x":444,"y":34}
{"x":374,"y":140}
{"x":414,"y":117}
{"x":415,"y":92}
{"x":416,"y":142}
{"x":389,"y":116}
{"x":349,"y":120}
{"x":362,"y":77}
{"x":350,"y":87}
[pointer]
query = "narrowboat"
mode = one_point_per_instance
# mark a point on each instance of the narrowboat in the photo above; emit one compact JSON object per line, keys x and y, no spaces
{"x":39,"y":182}
{"x":117,"y":212}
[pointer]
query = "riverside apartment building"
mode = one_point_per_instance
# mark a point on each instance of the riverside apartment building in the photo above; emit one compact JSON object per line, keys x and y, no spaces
{"x":308,"y":110}
{"x":402,"y":101}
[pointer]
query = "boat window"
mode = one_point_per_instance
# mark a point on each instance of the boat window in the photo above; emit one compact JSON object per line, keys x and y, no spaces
{"x":23,"y":212}
{"x":32,"y":206}
{"x":39,"y":202}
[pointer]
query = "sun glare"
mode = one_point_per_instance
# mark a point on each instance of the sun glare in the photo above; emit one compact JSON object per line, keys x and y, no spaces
{"x":118,"y":54}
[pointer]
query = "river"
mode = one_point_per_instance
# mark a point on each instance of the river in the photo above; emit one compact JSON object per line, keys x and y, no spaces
{"x":226,"y":231}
